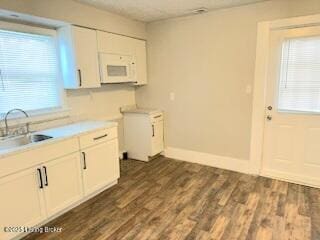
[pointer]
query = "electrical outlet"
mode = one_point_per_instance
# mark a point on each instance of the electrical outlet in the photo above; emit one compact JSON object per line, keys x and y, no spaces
{"x":172,"y":96}
{"x":248,"y":89}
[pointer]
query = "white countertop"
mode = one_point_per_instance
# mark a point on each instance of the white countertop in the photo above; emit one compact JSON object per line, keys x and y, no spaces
{"x":142,"y":111}
{"x":77,"y":128}
{"x":61,"y":133}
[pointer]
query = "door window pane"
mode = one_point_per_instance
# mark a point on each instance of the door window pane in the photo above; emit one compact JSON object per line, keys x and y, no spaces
{"x":299,"y":85}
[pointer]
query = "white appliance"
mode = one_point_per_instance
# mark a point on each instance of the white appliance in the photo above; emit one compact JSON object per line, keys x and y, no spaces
{"x":116,"y":68}
{"x":143,"y":133}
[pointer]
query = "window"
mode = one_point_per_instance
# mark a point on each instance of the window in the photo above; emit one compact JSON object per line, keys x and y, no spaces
{"x":299,"y":87}
{"x":29,"y":72}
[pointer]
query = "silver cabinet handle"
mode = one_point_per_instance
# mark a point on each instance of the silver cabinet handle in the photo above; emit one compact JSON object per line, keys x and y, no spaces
{"x":103,"y":136}
{"x":152,"y":130}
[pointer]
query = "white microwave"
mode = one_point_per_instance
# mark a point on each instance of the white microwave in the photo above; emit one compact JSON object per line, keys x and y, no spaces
{"x":116,"y":68}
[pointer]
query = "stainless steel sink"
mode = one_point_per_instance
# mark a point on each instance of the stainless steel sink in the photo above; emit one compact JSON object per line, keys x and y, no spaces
{"x":19,"y":141}
{"x":38,"y":137}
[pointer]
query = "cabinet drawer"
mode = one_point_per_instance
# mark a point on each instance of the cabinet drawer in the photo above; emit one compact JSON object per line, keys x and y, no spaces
{"x":98,"y":137}
{"x":157,"y":117}
{"x":47,"y":152}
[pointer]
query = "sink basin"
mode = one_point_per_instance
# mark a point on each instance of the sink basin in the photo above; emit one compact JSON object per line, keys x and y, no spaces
{"x":38,"y":137}
{"x":22,"y":140}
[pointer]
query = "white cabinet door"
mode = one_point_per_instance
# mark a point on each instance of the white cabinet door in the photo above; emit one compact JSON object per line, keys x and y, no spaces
{"x":100,"y":166}
{"x":21,"y":201}
{"x":86,"y":53}
{"x":157,"y":145}
{"x":115,"y":44}
{"x":140,"y":62}
{"x":62,"y":183}
{"x":79,"y":57}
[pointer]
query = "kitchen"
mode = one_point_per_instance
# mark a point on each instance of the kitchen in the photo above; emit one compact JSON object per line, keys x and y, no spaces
{"x":86,"y":83}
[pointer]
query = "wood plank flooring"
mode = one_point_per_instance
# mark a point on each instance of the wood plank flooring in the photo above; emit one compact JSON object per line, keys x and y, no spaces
{"x":169,"y":199}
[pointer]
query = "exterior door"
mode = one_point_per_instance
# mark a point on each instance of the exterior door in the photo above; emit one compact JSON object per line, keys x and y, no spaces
{"x":62,"y":183}
{"x":292,"y":120}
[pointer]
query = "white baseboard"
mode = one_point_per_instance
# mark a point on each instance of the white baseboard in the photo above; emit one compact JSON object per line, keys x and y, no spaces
{"x":233,"y":164}
{"x":293,"y":178}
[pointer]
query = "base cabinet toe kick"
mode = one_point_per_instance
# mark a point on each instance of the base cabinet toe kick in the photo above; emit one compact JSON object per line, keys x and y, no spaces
{"x":40,"y":184}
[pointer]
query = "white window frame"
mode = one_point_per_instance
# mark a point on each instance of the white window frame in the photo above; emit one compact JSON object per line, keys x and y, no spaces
{"x":42,"y":114}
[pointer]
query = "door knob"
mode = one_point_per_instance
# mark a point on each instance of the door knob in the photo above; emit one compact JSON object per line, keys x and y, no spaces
{"x":269,"y":108}
{"x":269,"y":117}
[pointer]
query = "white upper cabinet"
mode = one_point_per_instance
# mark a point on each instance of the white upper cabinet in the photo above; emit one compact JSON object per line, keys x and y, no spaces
{"x":114,"y":44}
{"x":140,"y":61}
{"x":79,"y":57}
{"x":110,"y":43}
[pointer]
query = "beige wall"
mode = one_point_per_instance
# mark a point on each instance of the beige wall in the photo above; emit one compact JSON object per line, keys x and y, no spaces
{"x":208,"y":61}
{"x":94,"y":103}
{"x":77,"y":13}
{"x":103,"y":103}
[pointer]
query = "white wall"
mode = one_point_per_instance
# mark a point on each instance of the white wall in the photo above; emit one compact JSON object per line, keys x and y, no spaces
{"x":208,"y":61}
{"x":103,"y":103}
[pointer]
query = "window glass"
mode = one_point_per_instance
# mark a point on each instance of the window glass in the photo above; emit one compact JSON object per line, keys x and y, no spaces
{"x":28,"y":72}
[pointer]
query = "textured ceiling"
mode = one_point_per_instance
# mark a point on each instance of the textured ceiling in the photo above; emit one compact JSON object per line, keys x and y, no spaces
{"x":152,"y":10}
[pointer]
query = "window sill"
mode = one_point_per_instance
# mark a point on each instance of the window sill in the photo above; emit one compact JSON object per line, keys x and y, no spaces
{"x":36,"y":117}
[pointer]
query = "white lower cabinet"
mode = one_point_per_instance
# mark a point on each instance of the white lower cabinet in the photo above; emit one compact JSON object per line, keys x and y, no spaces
{"x":31,"y":196}
{"x":100,"y":165}
{"x":22,"y":202}
{"x":157,"y":144}
{"x":147,"y":126}
{"x":62,"y":183}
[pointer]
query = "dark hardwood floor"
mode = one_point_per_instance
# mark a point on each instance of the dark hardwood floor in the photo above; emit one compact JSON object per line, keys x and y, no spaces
{"x":169,"y":199}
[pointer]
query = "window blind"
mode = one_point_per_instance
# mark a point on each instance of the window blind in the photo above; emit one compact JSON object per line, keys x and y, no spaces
{"x":28,"y":72}
{"x":299,"y":86}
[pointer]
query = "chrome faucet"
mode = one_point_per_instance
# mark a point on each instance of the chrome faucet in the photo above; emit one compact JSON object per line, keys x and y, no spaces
{"x":6,"y":119}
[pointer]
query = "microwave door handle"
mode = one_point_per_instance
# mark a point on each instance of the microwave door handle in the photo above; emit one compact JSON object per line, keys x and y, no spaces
{"x":133,"y":72}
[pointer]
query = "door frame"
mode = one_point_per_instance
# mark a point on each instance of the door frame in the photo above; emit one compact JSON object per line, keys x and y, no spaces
{"x":260,"y":80}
